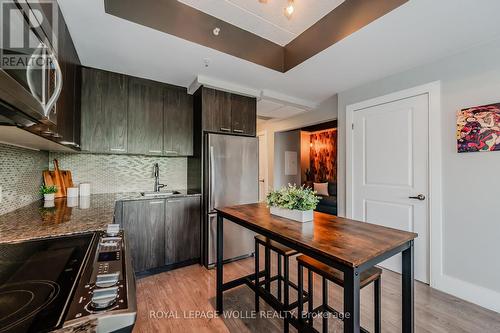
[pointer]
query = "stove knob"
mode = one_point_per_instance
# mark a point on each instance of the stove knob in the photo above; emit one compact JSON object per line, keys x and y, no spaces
{"x":104,"y":298}
{"x":113,"y":229}
{"x":107,"y":280}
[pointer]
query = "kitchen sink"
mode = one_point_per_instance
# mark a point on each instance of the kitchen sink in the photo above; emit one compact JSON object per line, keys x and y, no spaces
{"x":159,"y":194}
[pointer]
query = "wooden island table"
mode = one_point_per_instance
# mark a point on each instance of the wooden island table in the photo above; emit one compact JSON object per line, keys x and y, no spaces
{"x":347,"y":245}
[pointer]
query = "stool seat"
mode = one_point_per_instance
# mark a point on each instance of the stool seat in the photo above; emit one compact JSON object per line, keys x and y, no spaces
{"x":275,"y":246}
{"x":335,"y":275}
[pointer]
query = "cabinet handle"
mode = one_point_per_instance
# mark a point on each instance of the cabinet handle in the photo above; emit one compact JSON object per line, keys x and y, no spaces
{"x":238,"y":131}
{"x":117,"y":149}
{"x":155,"y":151}
{"x":155,"y":202}
{"x":171,"y":152}
{"x":225,"y":129}
{"x":174,"y":200}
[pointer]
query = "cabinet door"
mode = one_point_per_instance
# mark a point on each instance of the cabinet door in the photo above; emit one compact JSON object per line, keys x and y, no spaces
{"x":178,"y":123}
{"x":145,"y":117}
{"x":182,"y":230}
{"x":94,"y":127}
{"x":243,"y":114}
{"x":114,"y":106}
{"x":144,"y":225}
{"x":104,"y":111}
{"x":216,"y":110}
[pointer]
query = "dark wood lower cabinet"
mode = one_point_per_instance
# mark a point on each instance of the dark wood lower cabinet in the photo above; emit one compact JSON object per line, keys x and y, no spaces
{"x":182,"y":230}
{"x":143,"y":222}
{"x":161,"y":234}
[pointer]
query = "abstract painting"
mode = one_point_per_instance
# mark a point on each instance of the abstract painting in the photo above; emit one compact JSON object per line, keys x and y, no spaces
{"x":323,"y":155}
{"x":478,"y":128}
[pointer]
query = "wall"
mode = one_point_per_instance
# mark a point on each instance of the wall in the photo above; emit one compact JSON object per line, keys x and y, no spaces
{"x":305,"y":152}
{"x":326,"y":111}
{"x":286,"y":142}
{"x":123,"y":173}
{"x":471,"y":204}
{"x":20,"y":176}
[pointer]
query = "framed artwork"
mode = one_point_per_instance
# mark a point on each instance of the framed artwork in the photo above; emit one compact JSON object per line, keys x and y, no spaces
{"x":478,"y":128}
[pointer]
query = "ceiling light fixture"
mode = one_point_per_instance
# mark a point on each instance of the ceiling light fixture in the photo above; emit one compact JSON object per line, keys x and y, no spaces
{"x":289,"y":9}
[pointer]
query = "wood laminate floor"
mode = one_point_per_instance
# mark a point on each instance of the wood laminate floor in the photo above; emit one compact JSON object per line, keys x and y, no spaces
{"x":183,"y":300}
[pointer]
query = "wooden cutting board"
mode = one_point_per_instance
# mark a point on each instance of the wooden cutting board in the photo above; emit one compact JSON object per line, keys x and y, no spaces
{"x":67,"y":178}
{"x":57,"y":178}
{"x":62,"y":179}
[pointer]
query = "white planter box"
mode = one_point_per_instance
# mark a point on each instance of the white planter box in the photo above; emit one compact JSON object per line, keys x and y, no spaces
{"x":296,"y":215}
{"x":49,"y":197}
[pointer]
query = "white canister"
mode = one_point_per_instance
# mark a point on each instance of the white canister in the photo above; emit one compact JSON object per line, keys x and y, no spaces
{"x":84,"y":202}
{"x":72,"y":192}
{"x":72,"y":201}
{"x":85,"y":189}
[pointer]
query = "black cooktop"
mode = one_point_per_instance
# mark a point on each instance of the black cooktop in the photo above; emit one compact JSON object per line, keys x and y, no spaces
{"x":36,"y":281}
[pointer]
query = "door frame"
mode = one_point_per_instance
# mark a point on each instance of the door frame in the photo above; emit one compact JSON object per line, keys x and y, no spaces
{"x":266,"y":167}
{"x":433,"y":90}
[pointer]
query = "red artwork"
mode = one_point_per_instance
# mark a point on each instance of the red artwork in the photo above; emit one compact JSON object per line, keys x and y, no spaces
{"x":323,"y":156}
{"x":478,"y":128}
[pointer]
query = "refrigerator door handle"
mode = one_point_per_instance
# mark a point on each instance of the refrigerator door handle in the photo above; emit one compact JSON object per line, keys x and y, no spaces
{"x":211,"y":180}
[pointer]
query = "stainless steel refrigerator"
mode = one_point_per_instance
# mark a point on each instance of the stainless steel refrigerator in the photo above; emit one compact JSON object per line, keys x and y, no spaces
{"x":231,"y":178}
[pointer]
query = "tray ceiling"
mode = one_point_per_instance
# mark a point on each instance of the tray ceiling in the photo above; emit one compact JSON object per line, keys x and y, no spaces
{"x":267,"y":19}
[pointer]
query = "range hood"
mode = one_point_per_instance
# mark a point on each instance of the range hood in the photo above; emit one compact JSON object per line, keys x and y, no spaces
{"x":15,"y":129}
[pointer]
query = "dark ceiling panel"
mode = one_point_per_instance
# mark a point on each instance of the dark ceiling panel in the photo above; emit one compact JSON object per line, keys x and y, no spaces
{"x":183,"y":21}
{"x":178,"y":19}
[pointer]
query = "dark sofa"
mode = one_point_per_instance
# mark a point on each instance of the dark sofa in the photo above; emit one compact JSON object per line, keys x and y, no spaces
{"x":328,"y":204}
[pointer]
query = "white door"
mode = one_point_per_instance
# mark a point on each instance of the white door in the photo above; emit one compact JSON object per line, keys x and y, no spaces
{"x":390,"y":169}
{"x":262,"y":166}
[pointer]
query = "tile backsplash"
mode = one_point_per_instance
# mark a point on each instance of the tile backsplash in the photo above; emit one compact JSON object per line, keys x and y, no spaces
{"x":20,"y":176}
{"x":122,"y":173}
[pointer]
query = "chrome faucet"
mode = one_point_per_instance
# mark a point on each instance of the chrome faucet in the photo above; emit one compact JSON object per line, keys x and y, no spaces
{"x":158,"y":186}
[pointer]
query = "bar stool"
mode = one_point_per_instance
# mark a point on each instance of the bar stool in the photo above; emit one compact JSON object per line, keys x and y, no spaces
{"x":284,"y":253}
{"x":331,"y":274}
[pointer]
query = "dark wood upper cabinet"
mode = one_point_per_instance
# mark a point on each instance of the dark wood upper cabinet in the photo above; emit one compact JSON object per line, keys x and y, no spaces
{"x":68,"y":105}
{"x":178,"y":122}
{"x":94,"y":127}
{"x":216,"y":115}
{"x":182,"y":230}
{"x":124,"y":114}
{"x":225,"y":112}
{"x":145,"y":117}
{"x":104,"y":111}
{"x":243,"y":114}
{"x":114,"y":105}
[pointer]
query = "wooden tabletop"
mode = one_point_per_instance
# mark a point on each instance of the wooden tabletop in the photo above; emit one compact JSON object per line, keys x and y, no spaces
{"x":350,"y":242}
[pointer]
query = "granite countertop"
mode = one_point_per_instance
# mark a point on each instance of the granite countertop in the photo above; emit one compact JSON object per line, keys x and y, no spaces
{"x":67,"y":216}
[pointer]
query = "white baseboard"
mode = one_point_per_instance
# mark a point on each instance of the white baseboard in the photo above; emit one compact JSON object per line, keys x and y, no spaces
{"x":487,"y":298}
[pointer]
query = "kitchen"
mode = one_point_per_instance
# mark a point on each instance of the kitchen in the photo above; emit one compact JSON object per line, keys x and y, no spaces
{"x":139,"y":187}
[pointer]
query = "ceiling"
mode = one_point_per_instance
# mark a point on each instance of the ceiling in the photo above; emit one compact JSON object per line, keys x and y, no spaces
{"x":416,"y":33}
{"x":267,"y":19}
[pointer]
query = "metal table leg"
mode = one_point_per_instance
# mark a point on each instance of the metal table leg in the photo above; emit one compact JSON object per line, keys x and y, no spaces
{"x":220,"y":256}
{"x":351,"y":301}
{"x":408,"y":290}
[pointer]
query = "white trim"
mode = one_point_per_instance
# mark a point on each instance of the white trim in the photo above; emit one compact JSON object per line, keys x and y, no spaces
{"x":473,"y":293}
{"x":266,"y":165}
{"x":433,"y":90}
{"x":210,"y":82}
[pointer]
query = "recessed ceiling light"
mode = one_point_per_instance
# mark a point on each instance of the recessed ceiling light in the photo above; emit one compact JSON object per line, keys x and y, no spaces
{"x":216,"y":31}
{"x":289,"y":9}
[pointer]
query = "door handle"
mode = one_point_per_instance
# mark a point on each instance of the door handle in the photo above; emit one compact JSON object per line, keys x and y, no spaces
{"x":420,"y":197}
{"x":212,"y":176}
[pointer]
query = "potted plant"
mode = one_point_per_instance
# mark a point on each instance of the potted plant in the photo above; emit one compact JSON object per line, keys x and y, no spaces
{"x":48,"y":192}
{"x":292,"y":202}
